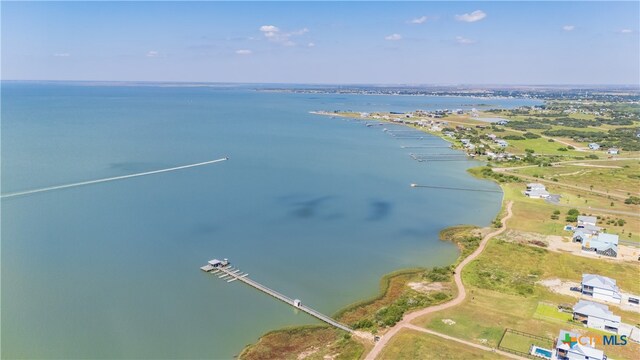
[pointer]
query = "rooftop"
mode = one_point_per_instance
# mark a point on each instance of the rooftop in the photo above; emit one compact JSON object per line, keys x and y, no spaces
{"x":598,"y":281}
{"x":590,"y":308}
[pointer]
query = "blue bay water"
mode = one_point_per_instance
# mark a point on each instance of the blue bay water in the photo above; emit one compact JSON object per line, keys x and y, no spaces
{"x":314,"y":207}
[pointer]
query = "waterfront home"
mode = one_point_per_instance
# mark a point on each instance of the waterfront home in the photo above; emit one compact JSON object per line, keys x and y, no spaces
{"x":465,"y":141}
{"x":536,"y":191}
{"x":612,"y":151}
{"x":594,"y":146}
{"x":596,"y":316}
{"x":586,"y":220}
{"x":568,"y":347}
{"x":600,"y":287}
{"x":492,"y":136}
{"x":535,"y":186}
{"x":501,"y":122}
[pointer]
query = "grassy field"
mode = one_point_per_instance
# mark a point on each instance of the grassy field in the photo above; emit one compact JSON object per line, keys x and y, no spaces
{"x":411,"y":344}
{"x":547,"y":311}
{"x":503,"y":294}
{"x":534,"y":215}
{"x":621,"y":178}
{"x":314,"y":341}
{"x":522,"y":343}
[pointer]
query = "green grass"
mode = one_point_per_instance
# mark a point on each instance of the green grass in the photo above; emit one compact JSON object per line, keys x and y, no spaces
{"x":522,"y":343}
{"x":550,"y":312}
{"x":411,"y":344}
{"x":540,"y":146}
{"x":502,"y":293}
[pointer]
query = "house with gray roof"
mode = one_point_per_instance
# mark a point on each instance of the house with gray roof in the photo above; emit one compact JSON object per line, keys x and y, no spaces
{"x":596,"y":316}
{"x":600,"y":287}
{"x":536,"y":191}
{"x":587,"y":220}
{"x":568,"y":347}
{"x":600,"y":243}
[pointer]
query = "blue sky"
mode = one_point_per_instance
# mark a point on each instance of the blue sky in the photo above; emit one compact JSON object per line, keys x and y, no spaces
{"x":324,"y":42}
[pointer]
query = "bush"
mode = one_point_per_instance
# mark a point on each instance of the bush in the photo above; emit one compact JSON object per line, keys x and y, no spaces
{"x":563,"y":149}
{"x":592,"y":156}
{"x":514,"y":137}
{"x":362,"y":324}
{"x":530,"y":135}
{"x":632,"y":200}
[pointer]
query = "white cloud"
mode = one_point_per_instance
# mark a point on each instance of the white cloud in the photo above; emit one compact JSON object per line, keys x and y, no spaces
{"x":244,"y":52}
{"x":464,"y":41}
{"x":626,"y":31}
{"x":420,"y":20}
{"x":472,"y":17}
{"x":61,"y":54}
{"x":568,"y":27}
{"x":393,"y":37}
{"x":274,"y":34}
{"x":269,"y":28}
{"x":153,"y":53}
{"x":311,"y":44}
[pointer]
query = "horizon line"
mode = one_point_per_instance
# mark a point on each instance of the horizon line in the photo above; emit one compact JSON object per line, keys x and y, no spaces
{"x":324,"y":84}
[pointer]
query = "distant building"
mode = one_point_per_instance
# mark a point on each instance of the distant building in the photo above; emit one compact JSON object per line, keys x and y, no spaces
{"x":613,"y":151}
{"x":596,"y":316}
{"x":502,"y":143}
{"x":501,"y":122}
{"x":569,"y":348}
{"x":587,"y":220}
{"x":535,"y":186}
{"x":594,"y":146}
{"x":600,"y":287}
{"x":536,"y":191}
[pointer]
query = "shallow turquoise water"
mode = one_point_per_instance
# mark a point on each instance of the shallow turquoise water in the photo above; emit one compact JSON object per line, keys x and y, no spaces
{"x":316,"y":208}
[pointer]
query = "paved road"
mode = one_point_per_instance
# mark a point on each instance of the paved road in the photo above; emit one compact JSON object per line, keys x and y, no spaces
{"x":462,"y":294}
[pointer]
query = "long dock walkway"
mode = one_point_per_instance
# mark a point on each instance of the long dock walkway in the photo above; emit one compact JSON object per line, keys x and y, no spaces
{"x":230,"y":274}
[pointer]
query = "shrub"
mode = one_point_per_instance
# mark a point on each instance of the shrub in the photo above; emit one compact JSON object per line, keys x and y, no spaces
{"x":530,"y":135}
{"x":632,"y":200}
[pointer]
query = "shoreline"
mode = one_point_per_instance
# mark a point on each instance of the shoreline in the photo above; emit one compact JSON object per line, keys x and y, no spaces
{"x":385,"y":280}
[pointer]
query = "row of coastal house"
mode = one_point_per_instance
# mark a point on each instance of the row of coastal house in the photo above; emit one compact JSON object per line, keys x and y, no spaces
{"x":573,"y":346}
{"x":593,"y":239}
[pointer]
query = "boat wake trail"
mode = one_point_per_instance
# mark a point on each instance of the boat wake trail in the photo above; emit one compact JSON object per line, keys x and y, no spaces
{"x":91,"y":182}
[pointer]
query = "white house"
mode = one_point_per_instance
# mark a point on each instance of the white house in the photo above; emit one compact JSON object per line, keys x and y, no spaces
{"x":536,"y":191}
{"x":613,"y":151}
{"x":537,"y":194}
{"x":594,"y":146}
{"x":502,"y":143}
{"x":586,"y":220}
{"x":570,"y":347}
{"x":600,"y":287}
{"x":596,"y":316}
{"x":535,"y":186}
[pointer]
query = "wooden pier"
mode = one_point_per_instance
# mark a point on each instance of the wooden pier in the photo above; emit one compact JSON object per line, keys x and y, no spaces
{"x":225,"y":271}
